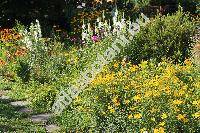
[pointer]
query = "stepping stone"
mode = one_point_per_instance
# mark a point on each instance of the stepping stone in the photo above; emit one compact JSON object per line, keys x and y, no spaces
{"x":5,"y":97}
{"x":3,"y":92}
{"x":26,"y":110}
{"x":52,"y":128}
{"x":19,"y":103}
{"x":41,"y":117}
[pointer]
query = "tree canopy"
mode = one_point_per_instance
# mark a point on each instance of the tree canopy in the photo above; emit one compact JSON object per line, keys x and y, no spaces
{"x":58,"y":11}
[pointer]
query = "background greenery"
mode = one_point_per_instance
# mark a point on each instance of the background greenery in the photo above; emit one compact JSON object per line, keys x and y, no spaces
{"x":61,"y":12}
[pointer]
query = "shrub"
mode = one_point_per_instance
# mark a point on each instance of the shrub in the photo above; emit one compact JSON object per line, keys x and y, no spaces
{"x":165,"y":36}
{"x":147,"y":97}
{"x":42,"y":97}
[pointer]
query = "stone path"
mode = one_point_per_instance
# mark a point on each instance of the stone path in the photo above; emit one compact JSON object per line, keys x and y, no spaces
{"x":38,"y":118}
{"x":4,"y":97}
{"x":52,"y":128}
{"x":19,"y":103}
{"x":41,"y":118}
{"x":26,"y":110}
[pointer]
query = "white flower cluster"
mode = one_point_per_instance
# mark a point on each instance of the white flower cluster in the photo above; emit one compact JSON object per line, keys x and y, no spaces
{"x":31,"y":37}
{"x":104,"y":28}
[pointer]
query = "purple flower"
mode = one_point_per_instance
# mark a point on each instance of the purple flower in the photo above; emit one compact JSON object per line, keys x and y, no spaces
{"x":73,"y":39}
{"x":95,"y":38}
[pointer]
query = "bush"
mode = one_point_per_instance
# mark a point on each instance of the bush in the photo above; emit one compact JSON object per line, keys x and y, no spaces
{"x":42,"y":98}
{"x":147,"y":97}
{"x":165,"y":36}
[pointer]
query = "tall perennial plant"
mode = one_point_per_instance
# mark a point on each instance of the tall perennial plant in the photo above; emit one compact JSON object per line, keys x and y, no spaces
{"x":120,"y":28}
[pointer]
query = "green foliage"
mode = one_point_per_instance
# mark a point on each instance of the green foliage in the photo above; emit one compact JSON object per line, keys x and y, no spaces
{"x":43,"y":97}
{"x":44,"y":63}
{"x":141,"y":3}
{"x":164,"y":37}
{"x":136,"y":98}
{"x":77,"y":120}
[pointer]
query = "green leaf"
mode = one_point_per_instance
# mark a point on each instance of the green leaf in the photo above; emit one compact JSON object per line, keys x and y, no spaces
{"x":9,"y":44}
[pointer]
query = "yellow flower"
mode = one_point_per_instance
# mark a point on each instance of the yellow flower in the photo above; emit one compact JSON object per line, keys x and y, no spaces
{"x":112,"y":110}
{"x":153,"y":110}
{"x":96,"y":97}
{"x":164,"y":116}
{"x":116,"y":101}
{"x":137,"y":97}
{"x":138,"y":116}
{"x":188,"y":62}
{"x":177,"y":102}
{"x":181,"y":92}
{"x":196,"y":115}
{"x":176,"y":109}
{"x":103,"y":113}
{"x":109,"y":107}
{"x":143,"y":64}
{"x":162,"y":124}
{"x":156,"y":130}
{"x":148,"y":94}
{"x":78,"y":99}
{"x":126,"y":87}
{"x":153,"y":119}
{"x":159,"y":130}
{"x":119,"y":74}
{"x":106,"y":90}
{"x":127,"y":101}
{"x":182,"y":117}
{"x":130,"y":116}
{"x":167,"y":90}
{"x":116,"y":65}
{"x":175,"y":80}
{"x":133,"y":68}
{"x":195,"y":102}
{"x":133,"y":108}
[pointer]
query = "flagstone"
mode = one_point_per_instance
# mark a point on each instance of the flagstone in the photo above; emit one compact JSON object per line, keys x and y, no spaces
{"x":41,"y":117}
{"x":19,"y":103}
{"x":52,"y":128}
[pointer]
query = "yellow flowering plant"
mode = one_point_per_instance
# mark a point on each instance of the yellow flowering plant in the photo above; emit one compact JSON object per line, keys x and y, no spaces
{"x":159,"y":97}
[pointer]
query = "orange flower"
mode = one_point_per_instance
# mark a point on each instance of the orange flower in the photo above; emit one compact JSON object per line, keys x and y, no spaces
{"x":19,"y":53}
{"x":2,"y":62}
{"x":9,"y":35}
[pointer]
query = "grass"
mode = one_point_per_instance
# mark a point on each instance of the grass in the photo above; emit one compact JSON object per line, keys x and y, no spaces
{"x":11,"y":120}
